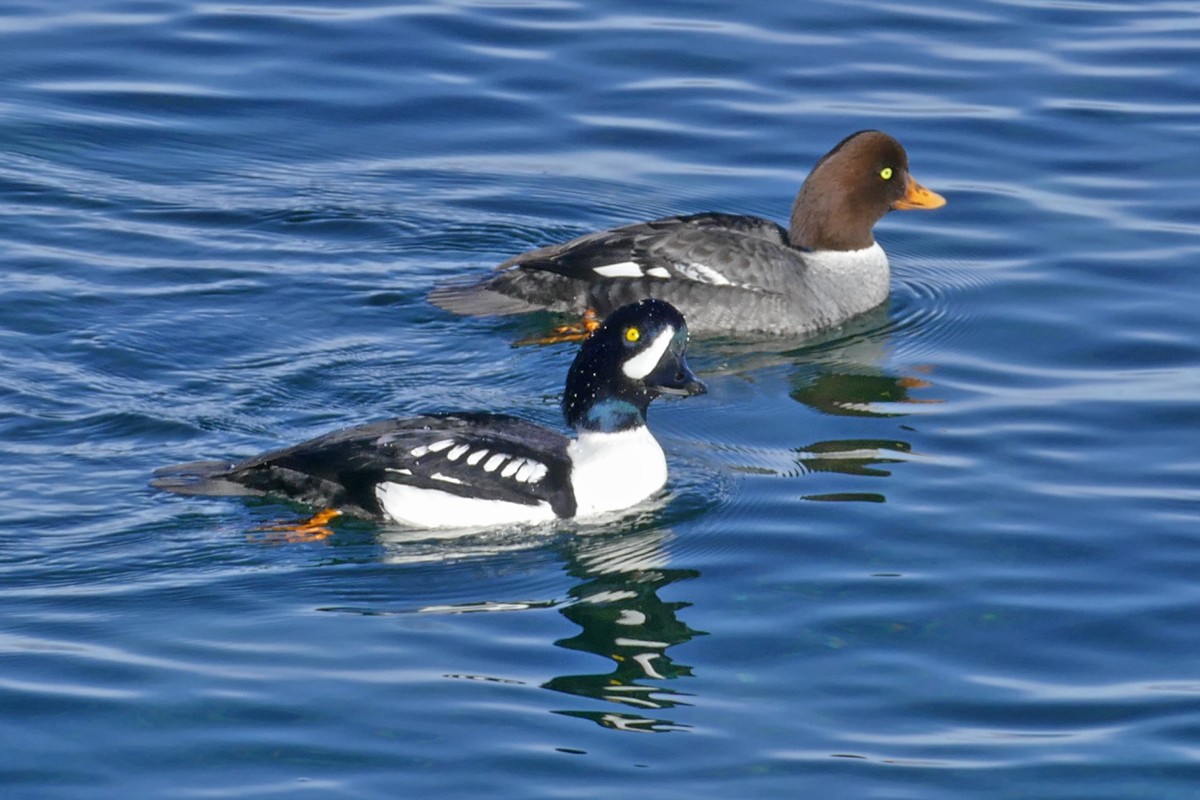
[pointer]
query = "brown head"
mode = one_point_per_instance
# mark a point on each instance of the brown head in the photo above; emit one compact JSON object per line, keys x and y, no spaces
{"x":852,"y":186}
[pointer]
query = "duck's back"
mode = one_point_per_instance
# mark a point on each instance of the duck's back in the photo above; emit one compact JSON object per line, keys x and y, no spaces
{"x":724,"y":271}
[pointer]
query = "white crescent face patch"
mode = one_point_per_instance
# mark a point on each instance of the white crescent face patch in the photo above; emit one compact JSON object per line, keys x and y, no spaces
{"x":644,"y":362}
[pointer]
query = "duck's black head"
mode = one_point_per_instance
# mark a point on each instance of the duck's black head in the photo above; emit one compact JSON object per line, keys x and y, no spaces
{"x":636,"y":355}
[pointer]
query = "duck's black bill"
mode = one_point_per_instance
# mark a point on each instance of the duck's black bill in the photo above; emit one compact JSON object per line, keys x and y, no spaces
{"x":676,"y":378}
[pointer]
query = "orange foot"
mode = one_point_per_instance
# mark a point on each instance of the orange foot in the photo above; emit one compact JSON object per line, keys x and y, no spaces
{"x":313,"y":529}
{"x":566,"y":333}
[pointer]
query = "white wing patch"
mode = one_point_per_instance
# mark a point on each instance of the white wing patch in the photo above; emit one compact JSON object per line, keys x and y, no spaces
{"x":702,"y":273}
{"x":531,"y":472}
{"x":644,"y":362}
{"x":625,"y":269}
{"x":522,"y":470}
{"x":426,"y":449}
{"x":658,"y":272}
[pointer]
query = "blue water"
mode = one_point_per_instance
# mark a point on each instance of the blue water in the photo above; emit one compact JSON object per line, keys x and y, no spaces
{"x":948,"y":551}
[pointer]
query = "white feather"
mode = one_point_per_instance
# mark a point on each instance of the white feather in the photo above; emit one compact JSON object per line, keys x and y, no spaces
{"x":644,"y":362}
{"x":702,"y":273}
{"x":613,"y":471}
{"x":626,"y":269}
{"x":430,"y":508}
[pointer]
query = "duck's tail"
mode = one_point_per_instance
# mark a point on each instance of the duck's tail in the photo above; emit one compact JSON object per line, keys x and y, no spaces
{"x":200,"y":478}
{"x":478,"y":299}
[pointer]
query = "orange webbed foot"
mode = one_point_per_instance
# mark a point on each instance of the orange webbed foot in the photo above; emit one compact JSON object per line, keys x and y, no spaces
{"x":589,"y":322}
{"x":313,"y":529}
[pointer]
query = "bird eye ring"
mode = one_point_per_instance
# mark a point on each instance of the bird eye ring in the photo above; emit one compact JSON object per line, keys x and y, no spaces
{"x":886,"y":173}
{"x":632,"y":334}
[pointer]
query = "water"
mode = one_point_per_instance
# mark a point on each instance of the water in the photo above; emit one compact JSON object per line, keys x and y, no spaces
{"x":948,"y":551}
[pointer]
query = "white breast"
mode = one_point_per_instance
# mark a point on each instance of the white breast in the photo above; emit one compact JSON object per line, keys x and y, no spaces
{"x":848,"y":282}
{"x":613,"y":471}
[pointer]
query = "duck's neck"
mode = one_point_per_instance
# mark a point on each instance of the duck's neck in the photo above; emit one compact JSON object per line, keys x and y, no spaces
{"x":828,"y":221}
{"x":848,"y":282}
{"x":610,"y":415}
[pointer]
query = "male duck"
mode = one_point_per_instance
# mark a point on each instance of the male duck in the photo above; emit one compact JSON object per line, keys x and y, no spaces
{"x":480,"y":469}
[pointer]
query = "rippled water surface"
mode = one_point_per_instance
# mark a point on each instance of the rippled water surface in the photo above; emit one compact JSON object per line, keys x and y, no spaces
{"x":950,"y":550}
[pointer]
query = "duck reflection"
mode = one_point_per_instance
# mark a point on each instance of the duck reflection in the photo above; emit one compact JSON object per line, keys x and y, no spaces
{"x":624,"y":621}
{"x":842,"y":373}
{"x":614,"y":601}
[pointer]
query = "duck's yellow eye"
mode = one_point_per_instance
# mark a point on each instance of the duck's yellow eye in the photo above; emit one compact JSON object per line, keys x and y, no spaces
{"x":632,"y":334}
{"x":886,"y":173}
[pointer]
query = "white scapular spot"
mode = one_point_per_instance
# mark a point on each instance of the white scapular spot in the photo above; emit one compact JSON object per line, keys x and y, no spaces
{"x":644,"y":362}
{"x":457,"y":453}
{"x":399,"y":471}
{"x":437,"y":476}
{"x":527,"y":470}
{"x":419,"y":451}
{"x":703,"y":274}
{"x":440,"y":445}
{"x":511,"y":467}
{"x":658,"y":272}
{"x":626,"y":269}
{"x":495,"y":461}
{"x":476,"y":457}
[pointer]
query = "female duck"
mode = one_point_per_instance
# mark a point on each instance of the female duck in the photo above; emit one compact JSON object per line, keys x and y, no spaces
{"x":728,"y":272}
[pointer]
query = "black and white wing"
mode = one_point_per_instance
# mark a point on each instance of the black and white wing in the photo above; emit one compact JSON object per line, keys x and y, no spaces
{"x":480,"y":456}
{"x":614,"y":267}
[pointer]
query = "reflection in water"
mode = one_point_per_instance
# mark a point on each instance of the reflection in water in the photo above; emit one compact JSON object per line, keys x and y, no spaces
{"x":848,"y":393}
{"x":616,"y":605}
{"x":841,"y":373}
{"x":623,"y":620}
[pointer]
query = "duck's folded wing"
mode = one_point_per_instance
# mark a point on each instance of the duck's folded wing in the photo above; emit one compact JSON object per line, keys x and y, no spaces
{"x":701,"y":249}
{"x":482,"y":456}
{"x":716,"y":249}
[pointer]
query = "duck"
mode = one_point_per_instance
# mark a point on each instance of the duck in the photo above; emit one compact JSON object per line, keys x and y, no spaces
{"x":479,"y":469}
{"x":727,"y":273}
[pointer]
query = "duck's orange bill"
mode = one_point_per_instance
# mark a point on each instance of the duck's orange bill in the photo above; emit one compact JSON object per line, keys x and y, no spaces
{"x":918,"y":196}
